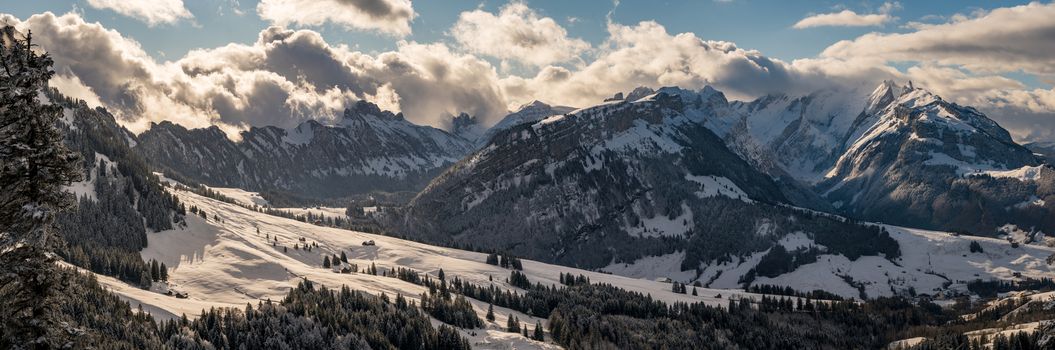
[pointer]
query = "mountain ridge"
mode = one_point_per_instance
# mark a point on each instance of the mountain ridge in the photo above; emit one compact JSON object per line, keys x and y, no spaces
{"x":366,"y":150}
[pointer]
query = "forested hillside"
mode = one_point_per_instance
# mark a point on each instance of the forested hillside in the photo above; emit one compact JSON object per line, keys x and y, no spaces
{"x":118,"y":200}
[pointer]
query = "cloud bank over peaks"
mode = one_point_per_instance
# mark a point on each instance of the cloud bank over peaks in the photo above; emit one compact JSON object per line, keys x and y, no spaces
{"x":284,"y":78}
{"x":645,"y":54}
{"x":288,"y":76}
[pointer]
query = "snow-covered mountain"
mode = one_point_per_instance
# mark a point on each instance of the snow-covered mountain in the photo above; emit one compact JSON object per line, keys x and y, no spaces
{"x":897,"y":154}
{"x":613,"y":183}
{"x":367,"y":150}
{"x":921,"y":161}
{"x":527,"y":113}
{"x":467,"y":127}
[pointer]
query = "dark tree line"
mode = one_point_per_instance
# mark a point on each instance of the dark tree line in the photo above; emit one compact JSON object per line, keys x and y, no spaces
{"x":779,"y":290}
{"x":309,"y":317}
{"x":505,"y":261}
{"x":519,"y":279}
{"x":990,"y":289}
{"x":318,"y":318}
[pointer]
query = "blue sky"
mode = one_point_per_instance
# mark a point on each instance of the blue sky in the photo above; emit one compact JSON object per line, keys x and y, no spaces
{"x":761,"y":25}
{"x":995,"y":55}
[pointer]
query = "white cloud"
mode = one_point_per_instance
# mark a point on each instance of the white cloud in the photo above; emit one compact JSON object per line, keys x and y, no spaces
{"x":71,"y":86}
{"x":387,"y":16}
{"x":646,"y":55}
{"x":1001,"y":40}
{"x":1028,"y":114}
{"x":288,"y":76}
{"x":848,"y":18}
{"x":284,"y":78}
{"x":152,"y":12}
{"x":517,"y":33}
{"x":844,"y":18}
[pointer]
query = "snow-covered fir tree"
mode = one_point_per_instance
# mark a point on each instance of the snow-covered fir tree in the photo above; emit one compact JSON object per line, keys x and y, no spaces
{"x":34,"y":166}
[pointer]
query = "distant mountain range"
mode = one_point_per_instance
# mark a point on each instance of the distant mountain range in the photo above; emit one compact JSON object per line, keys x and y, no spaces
{"x":649,"y":173}
{"x":367,"y":150}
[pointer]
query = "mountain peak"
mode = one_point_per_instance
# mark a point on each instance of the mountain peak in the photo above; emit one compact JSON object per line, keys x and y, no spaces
{"x":463,"y":120}
{"x":904,"y":95}
{"x":363,"y":110}
{"x":366,"y":107}
{"x":536,"y":104}
{"x":639,"y":92}
{"x":884,"y":94}
{"x":467,"y":127}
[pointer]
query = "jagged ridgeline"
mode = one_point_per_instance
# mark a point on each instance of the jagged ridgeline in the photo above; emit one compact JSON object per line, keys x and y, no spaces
{"x":895,"y":154}
{"x":119,"y":199}
{"x":366,"y":150}
{"x":617,"y":182}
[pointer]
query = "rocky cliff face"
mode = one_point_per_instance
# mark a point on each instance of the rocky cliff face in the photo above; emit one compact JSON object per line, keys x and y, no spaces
{"x":367,"y":150}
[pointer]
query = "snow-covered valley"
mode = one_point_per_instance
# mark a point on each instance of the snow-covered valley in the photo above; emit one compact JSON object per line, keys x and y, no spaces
{"x":240,"y":258}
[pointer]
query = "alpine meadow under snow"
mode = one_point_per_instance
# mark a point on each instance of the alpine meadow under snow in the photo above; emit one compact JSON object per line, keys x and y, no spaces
{"x":391,"y":174}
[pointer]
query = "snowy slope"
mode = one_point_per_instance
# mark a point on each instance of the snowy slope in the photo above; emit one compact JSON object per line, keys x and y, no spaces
{"x":1032,"y":305}
{"x":929,"y":260}
{"x":86,"y":187}
{"x":229,"y":264}
{"x":802,"y":134}
{"x":241,"y":196}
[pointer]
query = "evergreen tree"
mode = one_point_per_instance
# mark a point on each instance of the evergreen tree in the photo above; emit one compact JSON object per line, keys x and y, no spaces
{"x":155,"y":273}
{"x":491,"y":312}
{"x":975,"y":247}
{"x":519,"y":279}
{"x":344,"y":257}
{"x":512,"y":324}
{"x":34,"y":167}
{"x":326,"y":262}
{"x":164,"y":273}
{"x":538,"y":332}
